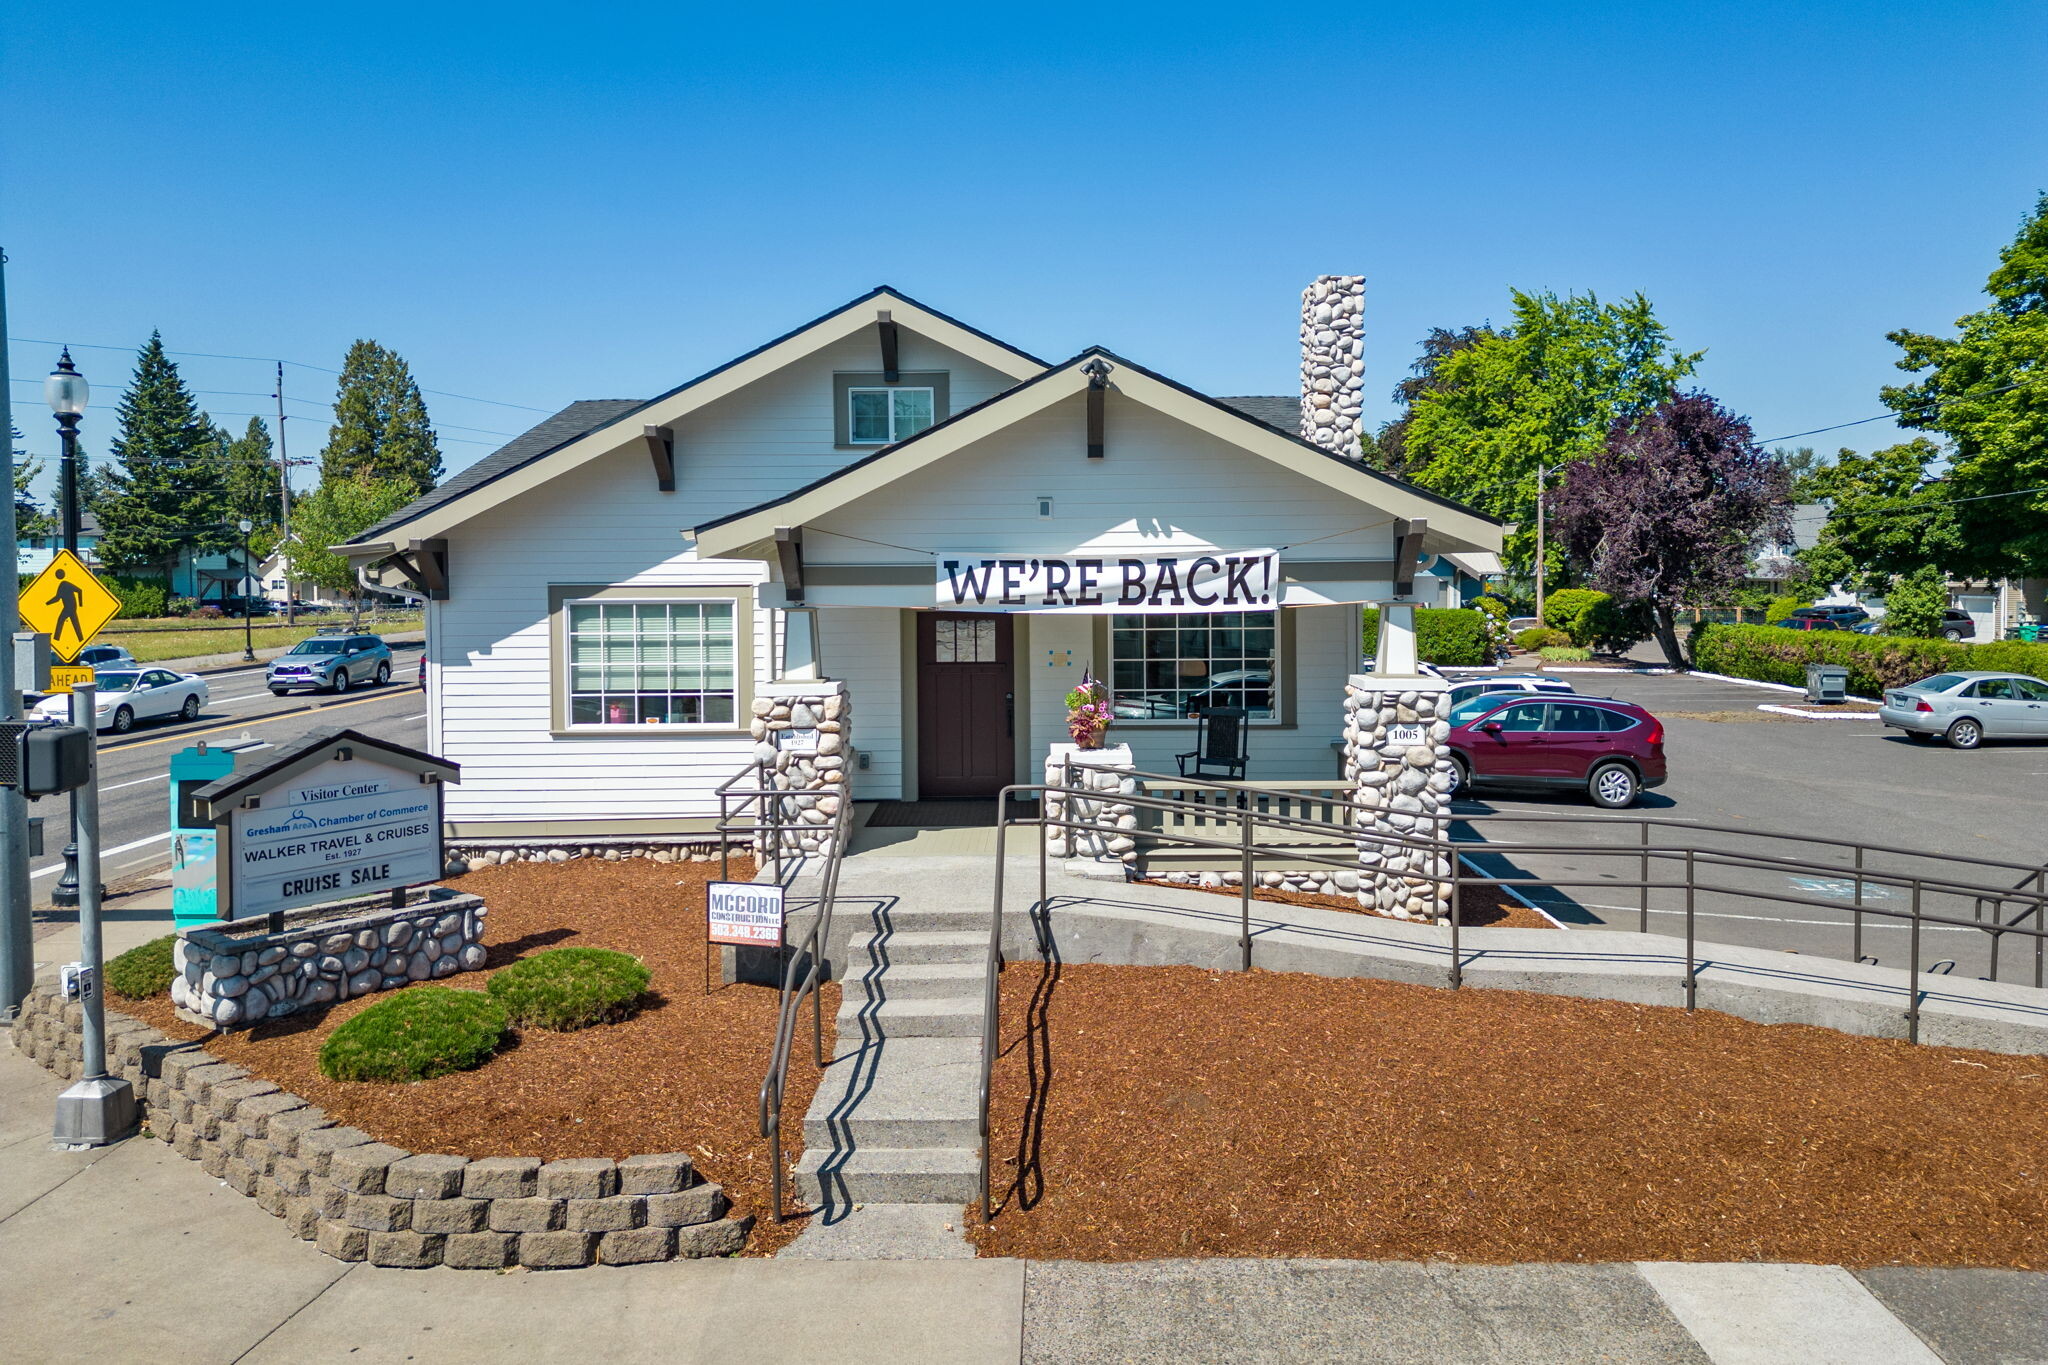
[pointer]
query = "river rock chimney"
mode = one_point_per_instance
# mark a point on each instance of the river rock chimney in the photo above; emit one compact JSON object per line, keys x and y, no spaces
{"x":1332,"y":363}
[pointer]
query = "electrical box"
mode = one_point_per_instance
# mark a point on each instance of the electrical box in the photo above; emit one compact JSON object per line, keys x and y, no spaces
{"x":1827,"y":683}
{"x":195,"y":841}
{"x":31,"y":662}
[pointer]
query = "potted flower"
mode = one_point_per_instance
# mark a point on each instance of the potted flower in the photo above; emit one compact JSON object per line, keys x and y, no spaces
{"x":1088,"y":712}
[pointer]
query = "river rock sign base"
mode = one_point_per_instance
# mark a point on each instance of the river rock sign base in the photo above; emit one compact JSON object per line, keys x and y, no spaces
{"x":801,"y":739}
{"x":238,"y":973}
{"x":358,"y":1199}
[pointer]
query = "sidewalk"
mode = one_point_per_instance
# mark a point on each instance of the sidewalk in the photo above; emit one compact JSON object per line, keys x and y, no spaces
{"x":133,"y":1252}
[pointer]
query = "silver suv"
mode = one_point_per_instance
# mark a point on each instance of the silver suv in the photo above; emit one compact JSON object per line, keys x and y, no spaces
{"x":331,"y":663}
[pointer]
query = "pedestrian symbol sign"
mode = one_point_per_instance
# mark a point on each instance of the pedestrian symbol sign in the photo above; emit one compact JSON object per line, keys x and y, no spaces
{"x":66,"y":603}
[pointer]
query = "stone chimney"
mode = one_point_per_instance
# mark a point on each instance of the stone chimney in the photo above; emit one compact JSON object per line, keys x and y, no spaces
{"x":1332,"y":363}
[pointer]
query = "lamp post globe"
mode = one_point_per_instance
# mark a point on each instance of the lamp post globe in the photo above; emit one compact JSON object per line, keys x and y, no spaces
{"x":67,"y":393}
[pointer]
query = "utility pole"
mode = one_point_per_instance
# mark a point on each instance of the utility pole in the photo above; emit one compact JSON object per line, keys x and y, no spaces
{"x":284,"y":497}
{"x":17,"y":926}
{"x":1541,"y":473}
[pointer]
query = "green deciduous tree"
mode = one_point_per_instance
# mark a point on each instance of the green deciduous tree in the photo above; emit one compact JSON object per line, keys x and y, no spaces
{"x":1887,"y":515}
{"x":251,"y":478}
{"x":1914,"y":603}
{"x":381,"y":431}
{"x":1986,"y":390}
{"x":165,"y":486}
{"x":1389,"y":449}
{"x":1545,"y":392}
{"x":333,"y":512}
{"x":29,"y":519}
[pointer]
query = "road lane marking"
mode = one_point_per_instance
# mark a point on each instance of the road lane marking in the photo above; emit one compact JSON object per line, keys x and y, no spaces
{"x":160,"y":777}
{"x":106,"y":853}
{"x":184,"y":735}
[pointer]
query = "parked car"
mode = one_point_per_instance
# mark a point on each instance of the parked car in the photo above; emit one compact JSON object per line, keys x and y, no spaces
{"x":232,"y":605}
{"x":1968,"y":708}
{"x":1520,"y":684}
{"x":127,"y":696}
{"x":330,"y":663}
{"x":1845,"y":614}
{"x":1811,"y":623}
{"x":1518,"y":624}
{"x":1612,"y":750}
{"x":1957,"y":625}
{"x":105,"y":656}
{"x":423,"y":670}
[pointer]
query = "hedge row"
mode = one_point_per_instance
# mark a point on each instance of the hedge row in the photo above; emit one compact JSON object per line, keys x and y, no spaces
{"x":1443,"y":635}
{"x":1875,"y":662}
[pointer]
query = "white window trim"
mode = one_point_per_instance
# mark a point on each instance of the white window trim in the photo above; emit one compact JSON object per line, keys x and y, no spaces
{"x":930,"y":394}
{"x":1283,"y":692}
{"x":742,"y":665}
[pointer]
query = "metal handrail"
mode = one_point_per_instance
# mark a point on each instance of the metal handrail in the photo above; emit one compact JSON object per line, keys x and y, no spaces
{"x":804,"y":973}
{"x":1439,"y":845}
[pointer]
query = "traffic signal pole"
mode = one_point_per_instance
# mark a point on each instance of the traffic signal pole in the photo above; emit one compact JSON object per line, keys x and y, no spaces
{"x":17,"y":926}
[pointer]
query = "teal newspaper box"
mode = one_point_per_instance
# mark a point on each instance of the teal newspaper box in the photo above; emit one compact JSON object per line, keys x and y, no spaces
{"x":195,"y":860}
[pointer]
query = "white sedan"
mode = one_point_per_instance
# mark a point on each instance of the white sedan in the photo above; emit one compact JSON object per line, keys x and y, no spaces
{"x":130,"y":695}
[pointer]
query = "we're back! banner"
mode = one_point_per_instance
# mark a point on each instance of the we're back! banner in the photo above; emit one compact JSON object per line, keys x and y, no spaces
{"x":1217,"y":580}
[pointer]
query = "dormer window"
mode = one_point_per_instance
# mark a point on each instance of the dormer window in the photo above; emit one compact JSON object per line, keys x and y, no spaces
{"x":883,"y":416}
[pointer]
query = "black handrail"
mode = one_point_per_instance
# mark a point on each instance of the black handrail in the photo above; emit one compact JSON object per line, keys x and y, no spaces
{"x":1445,"y":852}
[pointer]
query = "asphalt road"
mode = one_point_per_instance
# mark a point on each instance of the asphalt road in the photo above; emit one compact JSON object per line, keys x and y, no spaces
{"x":1849,"y":780}
{"x":135,"y":768}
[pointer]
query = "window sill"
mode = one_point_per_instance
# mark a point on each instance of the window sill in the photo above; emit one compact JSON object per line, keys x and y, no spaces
{"x":1190,"y":724}
{"x":616,"y":731}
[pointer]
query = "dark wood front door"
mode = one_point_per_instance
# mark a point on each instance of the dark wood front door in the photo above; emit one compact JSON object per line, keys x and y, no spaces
{"x":966,"y":713}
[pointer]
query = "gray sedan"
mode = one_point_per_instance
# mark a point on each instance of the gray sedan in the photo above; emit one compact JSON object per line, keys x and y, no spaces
{"x":1968,"y":708}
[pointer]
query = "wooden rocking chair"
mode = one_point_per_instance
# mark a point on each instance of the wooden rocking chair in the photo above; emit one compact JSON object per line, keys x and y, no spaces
{"x":1222,"y":741}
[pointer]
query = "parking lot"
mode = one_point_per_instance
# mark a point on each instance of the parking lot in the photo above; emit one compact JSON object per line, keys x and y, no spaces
{"x":1841,"y":779}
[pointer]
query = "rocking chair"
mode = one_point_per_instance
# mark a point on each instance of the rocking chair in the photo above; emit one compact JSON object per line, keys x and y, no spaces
{"x":1222,"y":741}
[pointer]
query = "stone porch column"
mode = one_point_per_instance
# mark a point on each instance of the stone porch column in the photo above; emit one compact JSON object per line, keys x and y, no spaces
{"x":802,"y":729}
{"x":1398,"y":765}
{"x":1109,"y":842}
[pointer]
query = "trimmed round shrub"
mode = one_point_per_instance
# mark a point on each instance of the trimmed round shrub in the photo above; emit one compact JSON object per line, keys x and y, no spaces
{"x":143,"y":971}
{"x":1570,"y":610}
{"x":417,"y":1034}
{"x":1565,"y":654}
{"x":570,"y":988}
{"x":1541,"y":637}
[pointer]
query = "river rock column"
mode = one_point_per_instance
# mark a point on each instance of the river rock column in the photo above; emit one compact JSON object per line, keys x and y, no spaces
{"x":1333,"y":364}
{"x":1398,"y":764}
{"x":801,"y":731}
{"x":1107,"y":840}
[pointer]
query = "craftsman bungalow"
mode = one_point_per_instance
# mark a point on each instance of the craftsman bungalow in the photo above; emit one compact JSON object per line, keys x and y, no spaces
{"x":950,"y":528}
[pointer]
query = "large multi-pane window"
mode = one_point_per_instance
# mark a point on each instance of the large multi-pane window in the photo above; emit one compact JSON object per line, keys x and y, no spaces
{"x":652,"y":663}
{"x":1170,"y":667}
{"x":878,"y":417}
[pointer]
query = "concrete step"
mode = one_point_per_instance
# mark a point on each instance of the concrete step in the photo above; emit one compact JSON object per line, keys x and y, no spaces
{"x":944,"y":945}
{"x":899,"y":918}
{"x":904,"y":1092}
{"x":890,"y":1175}
{"x":918,"y":980}
{"x":884,"y":1232}
{"x":940,"y":1017}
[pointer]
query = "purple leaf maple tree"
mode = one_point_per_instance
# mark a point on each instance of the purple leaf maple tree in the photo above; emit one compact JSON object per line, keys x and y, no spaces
{"x":1670,"y":512}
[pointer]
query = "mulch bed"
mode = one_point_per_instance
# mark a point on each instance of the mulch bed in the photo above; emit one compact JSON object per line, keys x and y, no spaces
{"x":684,"y":1074}
{"x":1147,"y":1112}
{"x":1477,"y":909}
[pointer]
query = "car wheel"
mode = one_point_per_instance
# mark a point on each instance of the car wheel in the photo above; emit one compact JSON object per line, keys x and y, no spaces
{"x":1613,"y":786}
{"x":190,"y":710}
{"x":1461,"y":776}
{"x":1953,"y":636}
{"x":1965,"y":734}
{"x":124,"y":720}
{"x":280,"y":691}
{"x":340,"y":683}
{"x":383,"y":674}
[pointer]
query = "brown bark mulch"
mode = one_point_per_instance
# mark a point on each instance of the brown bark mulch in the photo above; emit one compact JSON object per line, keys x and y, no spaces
{"x":682,"y":1075}
{"x":1147,"y":1112}
{"x":1477,"y":909}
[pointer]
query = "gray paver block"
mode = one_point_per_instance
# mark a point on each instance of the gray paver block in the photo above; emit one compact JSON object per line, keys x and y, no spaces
{"x":360,"y":1169}
{"x":426,"y":1176}
{"x":284,"y":1130}
{"x":722,"y":1238}
{"x":556,"y":1250}
{"x":615,"y":1214}
{"x":698,"y":1204}
{"x":378,"y":1213}
{"x":501,"y":1177}
{"x":317,"y":1147}
{"x":635,"y":1246}
{"x":450,"y":1215}
{"x":656,"y":1173}
{"x":480,"y":1250}
{"x":526,"y":1215}
{"x":406,"y":1250}
{"x":341,"y":1241}
{"x":579,"y":1178}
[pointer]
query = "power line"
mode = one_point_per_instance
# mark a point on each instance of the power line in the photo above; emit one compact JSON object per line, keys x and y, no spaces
{"x":1895,"y":415}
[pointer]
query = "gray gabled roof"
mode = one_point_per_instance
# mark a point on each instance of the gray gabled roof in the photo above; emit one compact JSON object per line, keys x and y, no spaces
{"x":1282,"y":412}
{"x":577,"y":420}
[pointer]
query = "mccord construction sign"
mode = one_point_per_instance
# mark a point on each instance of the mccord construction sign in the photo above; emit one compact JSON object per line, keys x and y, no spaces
{"x":1232,"y":580}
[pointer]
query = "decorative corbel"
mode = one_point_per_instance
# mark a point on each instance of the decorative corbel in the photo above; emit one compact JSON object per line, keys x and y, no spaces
{"x":886,"y":326}
{"x":1407,"y":554}
{"x":789,"y":556}
{"x":661,"y":449}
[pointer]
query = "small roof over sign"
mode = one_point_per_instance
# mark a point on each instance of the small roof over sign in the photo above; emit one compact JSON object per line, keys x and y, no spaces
{"x":309,"y":752}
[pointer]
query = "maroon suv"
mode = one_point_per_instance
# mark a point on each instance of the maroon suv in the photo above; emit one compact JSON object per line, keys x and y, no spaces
{"x":1610,"y":749}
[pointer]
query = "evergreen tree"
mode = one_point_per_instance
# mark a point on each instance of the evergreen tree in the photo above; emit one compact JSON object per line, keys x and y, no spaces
{"x":381,"y":431}
{"x":251,"y":478}
{"x":165,"y":487}
{"x":29,"y":519}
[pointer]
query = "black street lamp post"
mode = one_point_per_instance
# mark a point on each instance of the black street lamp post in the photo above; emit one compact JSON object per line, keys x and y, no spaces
{"x":245,"y":526}
{"x":67,"y":393}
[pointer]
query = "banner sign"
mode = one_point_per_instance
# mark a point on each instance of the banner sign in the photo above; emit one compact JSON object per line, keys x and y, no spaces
{"x":744,"y":914}
{"x":1221,"y":580}
{"x":343,"y":828}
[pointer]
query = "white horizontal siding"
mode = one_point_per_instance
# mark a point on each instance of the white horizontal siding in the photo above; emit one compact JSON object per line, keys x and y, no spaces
{"x":863,"y":648}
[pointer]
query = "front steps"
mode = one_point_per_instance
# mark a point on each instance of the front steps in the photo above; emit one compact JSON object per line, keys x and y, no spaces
{"x":897,"y":1118}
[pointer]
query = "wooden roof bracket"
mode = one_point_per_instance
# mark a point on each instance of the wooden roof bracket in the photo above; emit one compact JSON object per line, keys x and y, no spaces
{"x":886,"y":325}
{"x":1407,"y":554}
{"x":661,"y":449}
{"x":425,"y":566}
{"x":1098,"y":385}
{"x":789,"y":556}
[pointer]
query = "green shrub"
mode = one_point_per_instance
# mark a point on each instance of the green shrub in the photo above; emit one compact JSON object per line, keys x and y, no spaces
{"x":1565,"y":654}
{"x":1778,"y":608}
{"x":1570,"y":610}
{"x":1493,"y":607}
{"x":419,"y":1033}
{"x":1541,"y":637}
{"x":2010,"y":656}
{"x":1875,"y":662}
{"x":140,"y":597}
{"x":1443,"y":635}
{"x":571,"y":988}
{"x":144,"y":971}
{"x":1915,"y":602}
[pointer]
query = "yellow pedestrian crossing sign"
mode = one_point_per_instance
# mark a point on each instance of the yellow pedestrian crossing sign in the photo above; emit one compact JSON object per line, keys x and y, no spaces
{"x":66,"y":603}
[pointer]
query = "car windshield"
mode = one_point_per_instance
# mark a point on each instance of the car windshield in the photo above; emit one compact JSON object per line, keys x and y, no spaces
{"x":116,"y":682}
{"x":1940,"y":682}
{"x":321,"y":645}
{"x":1469,"y":710}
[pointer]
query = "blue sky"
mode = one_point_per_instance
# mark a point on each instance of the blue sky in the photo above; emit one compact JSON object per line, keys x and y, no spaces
{"x":537,"y":205}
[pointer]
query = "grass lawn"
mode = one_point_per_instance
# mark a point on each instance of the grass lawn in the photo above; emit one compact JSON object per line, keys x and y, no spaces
{"x":151,"y":640}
